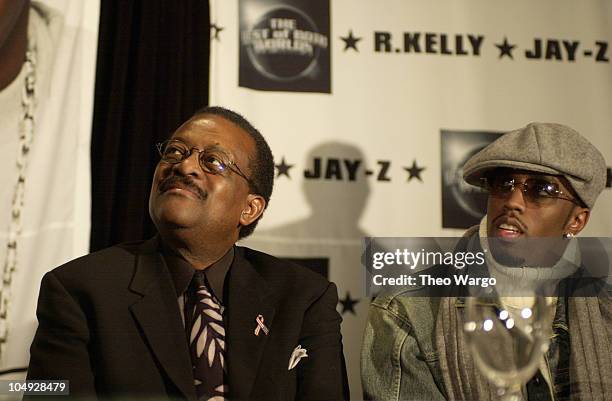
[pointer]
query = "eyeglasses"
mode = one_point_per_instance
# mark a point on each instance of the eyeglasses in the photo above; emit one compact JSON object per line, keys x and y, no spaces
{"x":536,"y":191}
{"x":211,"y":161}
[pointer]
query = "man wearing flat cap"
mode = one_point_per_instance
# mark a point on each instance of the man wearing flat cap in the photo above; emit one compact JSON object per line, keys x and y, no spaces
{"x":543,"y":181}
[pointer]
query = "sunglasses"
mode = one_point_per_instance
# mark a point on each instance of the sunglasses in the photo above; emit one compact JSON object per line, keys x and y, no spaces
{"x":536,"y":191}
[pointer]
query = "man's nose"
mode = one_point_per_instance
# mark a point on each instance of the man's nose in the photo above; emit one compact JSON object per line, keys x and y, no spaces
{"x":515,"y":199}
{"x":189,"y":165}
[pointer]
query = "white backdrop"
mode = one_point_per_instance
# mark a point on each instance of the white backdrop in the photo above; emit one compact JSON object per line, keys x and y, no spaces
{"x":378,"y":132}
{"x":56,"y":204}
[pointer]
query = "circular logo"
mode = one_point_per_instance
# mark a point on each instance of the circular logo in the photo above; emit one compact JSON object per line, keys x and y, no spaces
{"x":284,"y":44}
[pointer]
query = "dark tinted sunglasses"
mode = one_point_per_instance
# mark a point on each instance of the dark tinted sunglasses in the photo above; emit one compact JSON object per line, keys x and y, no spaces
{"x":537,"y":191}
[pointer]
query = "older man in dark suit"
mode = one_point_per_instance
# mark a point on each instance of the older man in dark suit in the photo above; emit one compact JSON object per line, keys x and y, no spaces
{"x":187,"y":314}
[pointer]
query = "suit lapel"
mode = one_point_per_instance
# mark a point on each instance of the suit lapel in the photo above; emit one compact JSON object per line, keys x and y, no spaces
{"x":247,"y":298}
{"x":158,"y":315}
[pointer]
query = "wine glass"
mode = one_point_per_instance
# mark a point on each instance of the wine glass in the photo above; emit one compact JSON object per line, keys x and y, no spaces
{"x":508,"y":341}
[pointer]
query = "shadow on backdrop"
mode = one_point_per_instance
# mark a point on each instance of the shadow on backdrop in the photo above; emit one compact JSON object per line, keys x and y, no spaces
{"x":336,"y":203}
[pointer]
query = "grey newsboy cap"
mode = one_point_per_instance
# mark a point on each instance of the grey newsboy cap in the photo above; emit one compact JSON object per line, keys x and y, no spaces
{"x":544,"y":148}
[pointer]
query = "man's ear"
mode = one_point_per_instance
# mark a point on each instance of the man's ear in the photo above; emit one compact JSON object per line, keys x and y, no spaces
{"x":578,"y":220}
{"x":254,"y":208}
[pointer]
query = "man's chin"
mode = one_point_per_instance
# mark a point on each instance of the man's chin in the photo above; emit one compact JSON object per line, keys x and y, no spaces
{"x":505,"y":246}
{"x":175,"y":218}
{"x":523,"y":251}
{"x":507,"y":256}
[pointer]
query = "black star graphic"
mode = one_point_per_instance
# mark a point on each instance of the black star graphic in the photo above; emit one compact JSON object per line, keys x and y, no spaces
{"x":348,"y":304}
{"x":283,"y":168}
{"x":350,"y":41}
{"x":414,"y":171}
{"x":505,"y":49}
{"x":216,"y":30}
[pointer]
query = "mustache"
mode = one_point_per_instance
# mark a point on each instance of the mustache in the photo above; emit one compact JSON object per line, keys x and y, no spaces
{"x":513,"y":216}
{"x":186,"y":182}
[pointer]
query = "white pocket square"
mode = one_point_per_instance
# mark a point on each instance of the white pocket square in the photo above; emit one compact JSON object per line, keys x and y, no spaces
{"x":297,"y":354}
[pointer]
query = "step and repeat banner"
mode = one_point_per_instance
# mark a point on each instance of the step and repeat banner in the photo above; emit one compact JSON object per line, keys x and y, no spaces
{"x":372,"y":108}
{"x":45,"y":123}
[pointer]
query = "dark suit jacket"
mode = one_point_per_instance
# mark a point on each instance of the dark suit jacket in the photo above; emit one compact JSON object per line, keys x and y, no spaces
{"x":110,"y":323}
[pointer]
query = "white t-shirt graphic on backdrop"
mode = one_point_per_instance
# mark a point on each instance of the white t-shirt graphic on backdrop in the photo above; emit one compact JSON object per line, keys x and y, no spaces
{"x":45,"y":124}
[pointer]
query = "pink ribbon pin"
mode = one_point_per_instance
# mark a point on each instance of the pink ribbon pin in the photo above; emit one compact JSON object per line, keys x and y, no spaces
{"x":260,"y":325}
